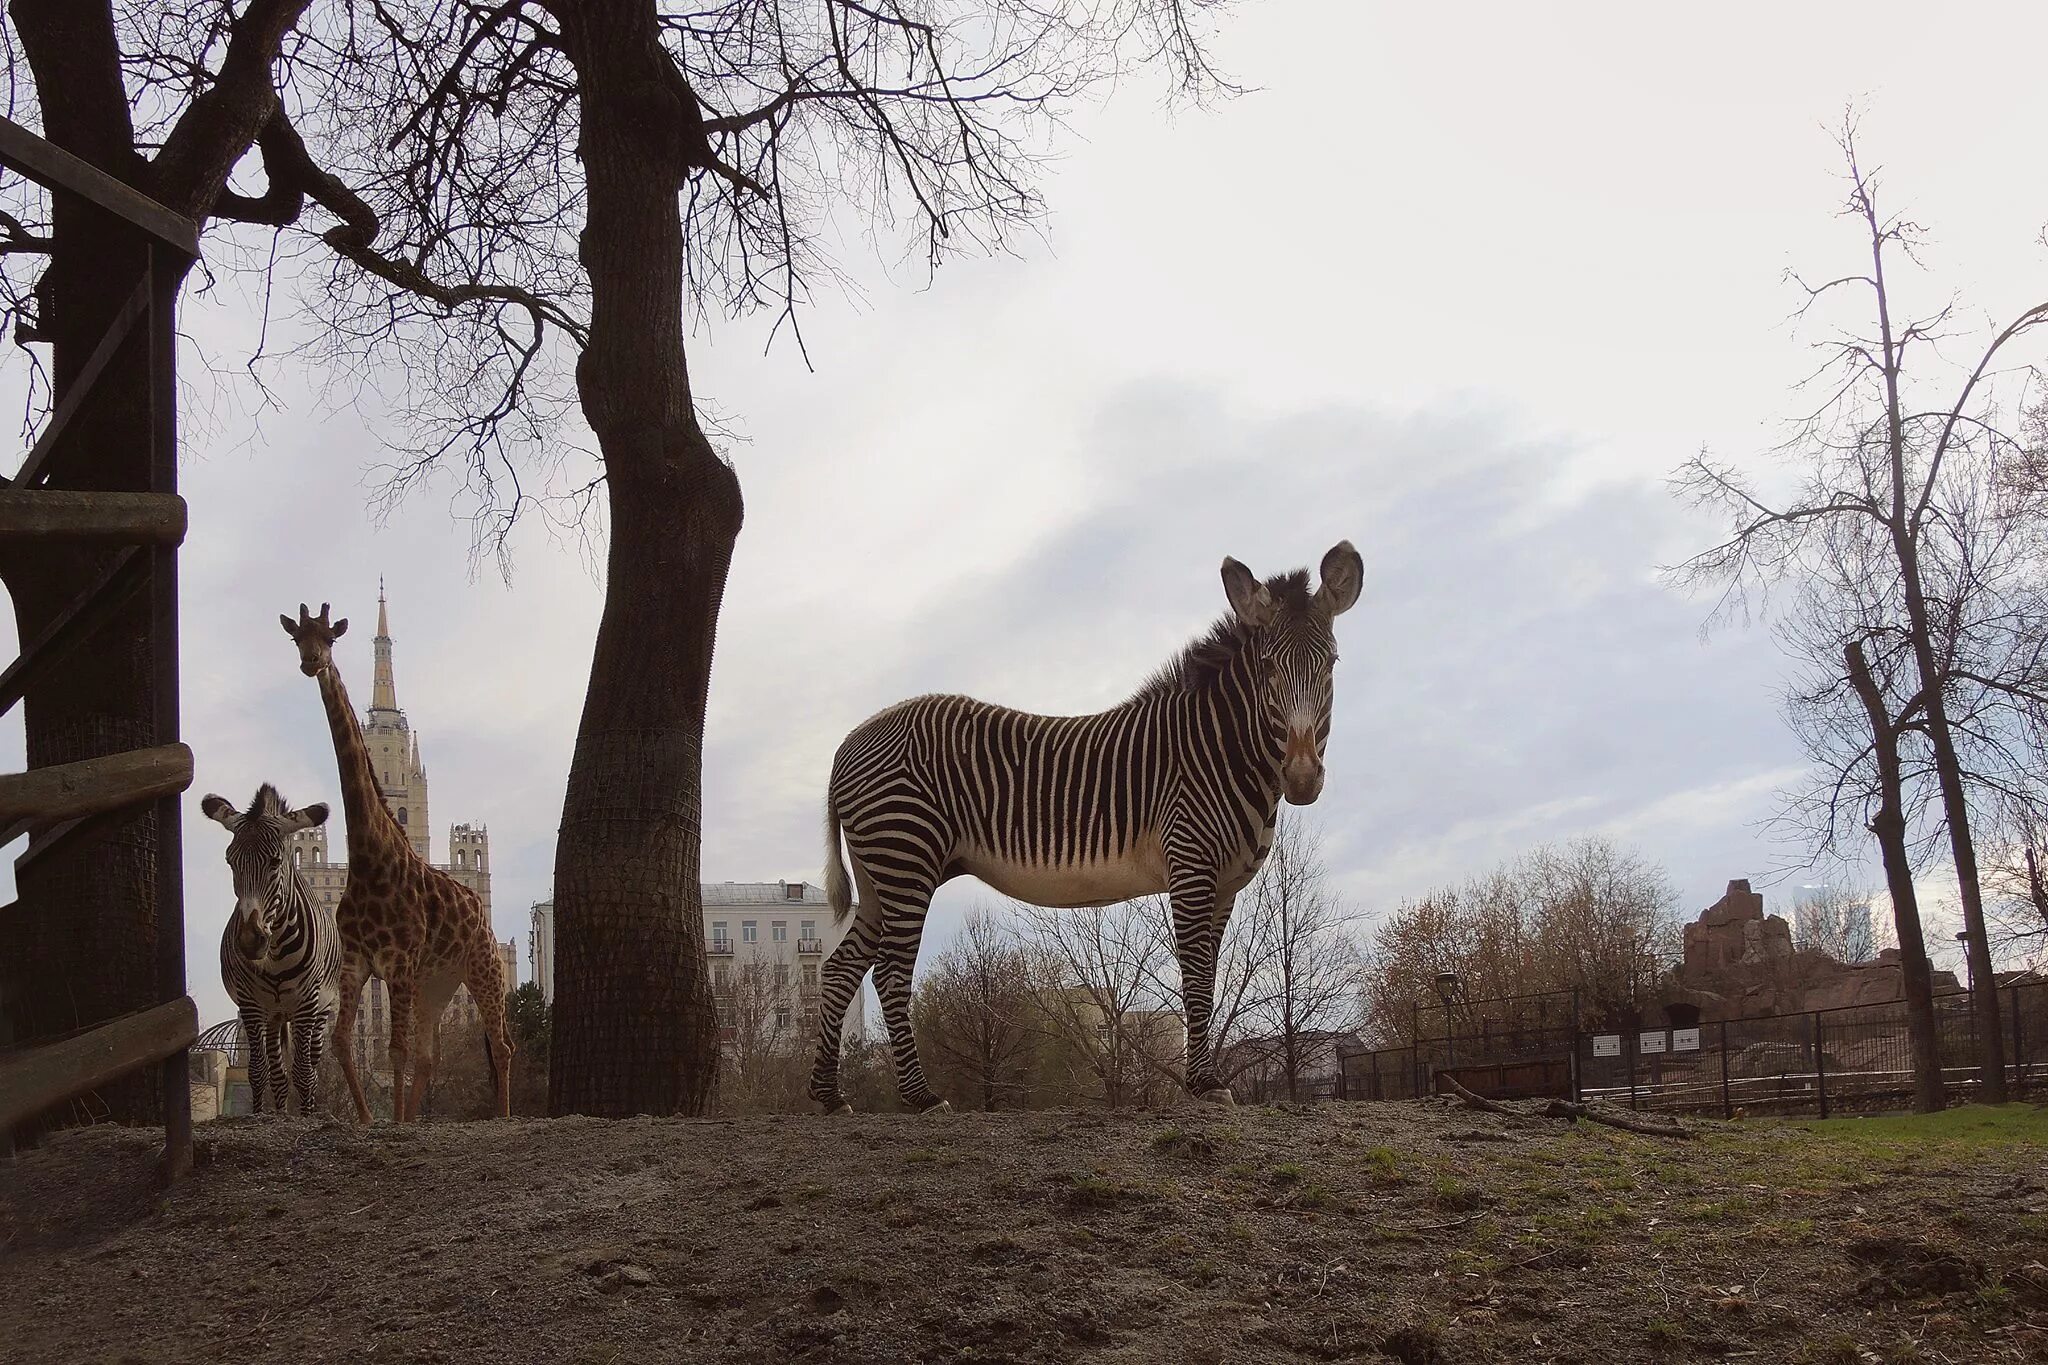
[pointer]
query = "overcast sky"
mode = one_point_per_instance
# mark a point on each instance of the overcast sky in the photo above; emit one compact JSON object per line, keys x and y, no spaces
{"x":1463,"y":284}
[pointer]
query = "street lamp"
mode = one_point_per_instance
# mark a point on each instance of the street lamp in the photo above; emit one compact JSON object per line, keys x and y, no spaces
{"x":1451,"y":989}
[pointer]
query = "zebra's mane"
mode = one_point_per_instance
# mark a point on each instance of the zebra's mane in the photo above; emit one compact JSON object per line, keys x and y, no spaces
{"x":1197,"y":667}
{"x":266,"y":803}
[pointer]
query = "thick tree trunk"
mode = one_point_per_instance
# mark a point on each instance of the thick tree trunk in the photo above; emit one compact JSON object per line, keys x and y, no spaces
{"x":1915,"y":976}
{"x":80,"y":946}
{"x":634,"y":1026}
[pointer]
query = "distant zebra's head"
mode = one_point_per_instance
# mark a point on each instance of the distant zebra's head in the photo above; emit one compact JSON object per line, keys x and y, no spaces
{"x":1293,"y":628}
{"x":315,"y":637}
{"x":259,"y":855}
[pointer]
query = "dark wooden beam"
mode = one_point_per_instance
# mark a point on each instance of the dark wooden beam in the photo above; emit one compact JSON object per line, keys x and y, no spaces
{"x":50,"y":165}
{"x":66,"y":791}
{"x":36,"y":1076}
{"x":122,"y":518}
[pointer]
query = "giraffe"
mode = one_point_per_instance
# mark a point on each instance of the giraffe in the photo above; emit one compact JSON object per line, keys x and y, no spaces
{"x":401,"y":919}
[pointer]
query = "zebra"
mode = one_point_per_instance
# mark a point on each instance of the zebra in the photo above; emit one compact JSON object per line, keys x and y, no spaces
{"x":1176,"y":789}
{"x":280,"y":955}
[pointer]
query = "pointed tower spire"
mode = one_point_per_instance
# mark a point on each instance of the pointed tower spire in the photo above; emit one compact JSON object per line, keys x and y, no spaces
{"x":383,"y":692}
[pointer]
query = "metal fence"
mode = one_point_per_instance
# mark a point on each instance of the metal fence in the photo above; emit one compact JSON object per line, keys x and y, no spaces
{"x":1853,"y":1059}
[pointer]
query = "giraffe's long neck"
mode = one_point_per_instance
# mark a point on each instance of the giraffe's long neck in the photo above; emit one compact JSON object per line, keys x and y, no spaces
{"x":370,"y":825}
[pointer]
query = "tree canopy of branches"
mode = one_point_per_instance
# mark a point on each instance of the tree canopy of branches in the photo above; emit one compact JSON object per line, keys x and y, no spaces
{"x":512,"y":205}
{"x":976,"y":1019}
{"x":1912,"y":541}
{"x":1586,"y":916}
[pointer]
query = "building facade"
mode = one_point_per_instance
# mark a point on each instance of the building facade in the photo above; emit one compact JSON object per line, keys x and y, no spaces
{"x":767,"y":943}
{"x":394,"y":748}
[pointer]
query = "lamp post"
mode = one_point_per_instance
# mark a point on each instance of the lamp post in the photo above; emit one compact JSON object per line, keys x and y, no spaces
{"x":1450,"y":988}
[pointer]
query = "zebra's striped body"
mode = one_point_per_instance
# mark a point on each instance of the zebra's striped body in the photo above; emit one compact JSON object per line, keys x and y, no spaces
{"x":1175,"y":790}
{"x":280,"y":955}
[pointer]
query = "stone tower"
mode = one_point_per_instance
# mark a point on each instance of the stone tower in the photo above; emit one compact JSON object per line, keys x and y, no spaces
{"x":394,"y":748}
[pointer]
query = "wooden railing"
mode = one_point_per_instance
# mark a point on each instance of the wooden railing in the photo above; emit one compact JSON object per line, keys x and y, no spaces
{"x":54,"y":804}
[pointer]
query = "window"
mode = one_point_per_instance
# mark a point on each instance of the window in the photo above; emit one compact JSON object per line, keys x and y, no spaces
{"x":721,"y":978}
{"x":719,"y":931}
{"x":782,"y":1017}
{"x":298,"y":857}
{"x":809,"y":929}
{"x":792,"y":891}
{"x":810,"y":976}
{"x":725,"y":1014}
{"x":461,"y":858}
{"x":401,"y":816}
{"x":750,"y":931}
{"x":782,"y":976}
{"x":479,"y":860}
{"x":779,"y":931}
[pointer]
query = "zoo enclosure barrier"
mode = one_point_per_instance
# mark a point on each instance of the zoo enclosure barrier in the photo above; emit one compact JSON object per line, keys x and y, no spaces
{"x":133,"y":363}
{"x":1844,"y":1060}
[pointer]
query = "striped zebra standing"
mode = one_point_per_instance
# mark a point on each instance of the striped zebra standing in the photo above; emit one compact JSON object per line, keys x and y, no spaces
{"x":280,"y":955}
{"x":1174,"y":790}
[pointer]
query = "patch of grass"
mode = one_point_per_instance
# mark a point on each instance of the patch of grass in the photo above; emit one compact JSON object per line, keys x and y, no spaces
{"x":1453,"y":1195}
{"x":1287,"y":1174}
{"x":1664,"y":1335}
{"x":1382,"y":1164}
{"x":1968,"y":1126}
{"x":1099,"y":1192}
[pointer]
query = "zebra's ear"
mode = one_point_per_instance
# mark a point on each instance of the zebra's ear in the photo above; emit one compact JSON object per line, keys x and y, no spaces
{"x":1248,"y":597}
{"x":217,"y":808}
{"x":308,"y":816}
{"x":1343,"y":575}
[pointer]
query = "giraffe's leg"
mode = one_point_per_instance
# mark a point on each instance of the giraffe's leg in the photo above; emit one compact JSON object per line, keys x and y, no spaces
{"x":435,"y":991}
{"x":902,"y":925}
{"x":404,"y":987}
{"x":487,"y":988}
{"x":254,"y":1039}
{"x":837,"y":986}
{"x":354,"y":971}
{"x":1195,"y":934}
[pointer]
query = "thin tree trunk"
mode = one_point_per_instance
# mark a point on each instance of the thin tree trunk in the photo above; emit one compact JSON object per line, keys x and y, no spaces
{"x":1889,"y":825}
{"x":635,"y":1025}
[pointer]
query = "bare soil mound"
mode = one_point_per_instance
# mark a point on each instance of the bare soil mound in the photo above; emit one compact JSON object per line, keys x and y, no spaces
{"x":1412,"y":1233}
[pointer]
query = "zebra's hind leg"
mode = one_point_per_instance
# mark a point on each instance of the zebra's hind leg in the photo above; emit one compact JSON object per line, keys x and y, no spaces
{"x":902,"y":926}
{"x":839,"y":983}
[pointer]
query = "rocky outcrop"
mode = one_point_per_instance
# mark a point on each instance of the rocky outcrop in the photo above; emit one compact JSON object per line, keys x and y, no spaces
{"x":1740,"y":961}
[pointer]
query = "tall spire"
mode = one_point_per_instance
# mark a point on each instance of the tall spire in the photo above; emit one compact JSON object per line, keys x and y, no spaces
{"x":383,"y":692}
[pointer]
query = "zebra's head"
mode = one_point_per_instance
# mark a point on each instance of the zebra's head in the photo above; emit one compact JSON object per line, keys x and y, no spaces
{"x":315,"y":637}
{"x":259,"y":856}
{"x":1293,"y":632}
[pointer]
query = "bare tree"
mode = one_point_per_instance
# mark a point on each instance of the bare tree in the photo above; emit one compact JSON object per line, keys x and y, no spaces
{"x":762,"y":1036}
{"x":1101,"y":995}
{"x":1886,"y":472}
{"x":1835,"y":920}
{"x":976,"y":1019}
{"x":1306,"y":967}
{"x":1586,"y":916}
{"x":514,"y":204}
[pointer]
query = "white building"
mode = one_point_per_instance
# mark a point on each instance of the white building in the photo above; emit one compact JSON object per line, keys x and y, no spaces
{"x":759,"y":936}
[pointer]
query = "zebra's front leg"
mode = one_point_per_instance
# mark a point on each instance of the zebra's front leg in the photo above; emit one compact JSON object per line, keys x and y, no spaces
{"x":1196,"y":932}
{"x":254,"y":1039}
{"x":309,"y":1035}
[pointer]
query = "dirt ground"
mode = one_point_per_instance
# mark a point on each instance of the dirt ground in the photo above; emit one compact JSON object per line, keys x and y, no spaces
{"x":1416,"y":1233}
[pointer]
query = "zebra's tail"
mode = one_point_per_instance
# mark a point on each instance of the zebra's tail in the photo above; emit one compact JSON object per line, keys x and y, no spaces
{"x":837,"y":889}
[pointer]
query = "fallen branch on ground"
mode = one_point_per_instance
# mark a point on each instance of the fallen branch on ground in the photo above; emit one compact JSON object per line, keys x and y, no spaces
{"x":1624,"y":1119}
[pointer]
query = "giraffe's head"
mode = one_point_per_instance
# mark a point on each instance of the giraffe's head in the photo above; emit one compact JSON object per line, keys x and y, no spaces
{"x":1293,"y":631}
{"x":315,"y":637}
{"x":259,"y":856}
